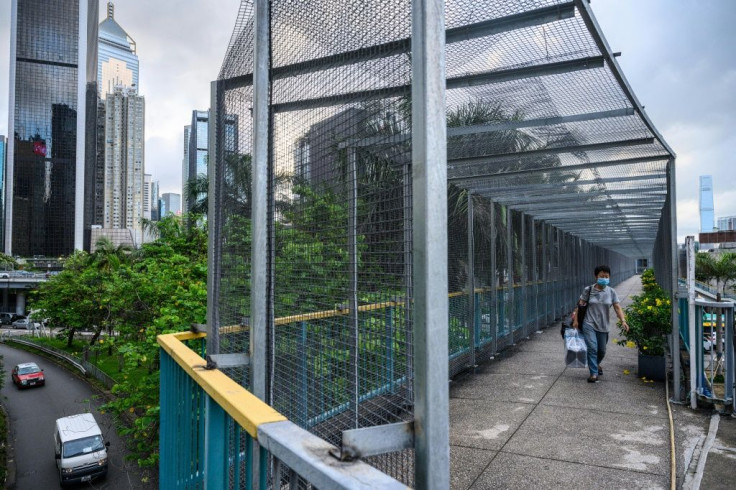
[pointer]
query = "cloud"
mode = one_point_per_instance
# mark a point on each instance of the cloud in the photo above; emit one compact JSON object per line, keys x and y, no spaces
{"x":677,"y":57}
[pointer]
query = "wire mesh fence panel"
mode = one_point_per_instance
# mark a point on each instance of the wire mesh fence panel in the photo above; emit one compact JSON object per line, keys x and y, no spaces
{"x":552,"y":168}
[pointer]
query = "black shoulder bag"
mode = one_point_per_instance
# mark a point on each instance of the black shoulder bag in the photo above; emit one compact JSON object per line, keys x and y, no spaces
{"x":581,"y":311}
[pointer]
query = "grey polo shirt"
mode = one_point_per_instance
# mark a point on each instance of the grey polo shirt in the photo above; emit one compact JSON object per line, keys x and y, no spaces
{"x":599,"y":307}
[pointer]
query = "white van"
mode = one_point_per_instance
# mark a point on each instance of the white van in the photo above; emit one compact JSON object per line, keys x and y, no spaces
{"x":81,"y":452}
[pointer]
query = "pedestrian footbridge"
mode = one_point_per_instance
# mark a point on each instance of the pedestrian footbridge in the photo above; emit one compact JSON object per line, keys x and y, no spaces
{"x":399,"y":192}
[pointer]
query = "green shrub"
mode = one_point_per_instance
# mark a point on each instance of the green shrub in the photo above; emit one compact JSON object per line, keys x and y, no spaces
{"x":649,"y":317}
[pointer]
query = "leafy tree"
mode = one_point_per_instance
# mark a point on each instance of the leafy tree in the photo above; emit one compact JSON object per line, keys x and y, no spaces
{"x":137,"y":295}
{"x":720,"y":268}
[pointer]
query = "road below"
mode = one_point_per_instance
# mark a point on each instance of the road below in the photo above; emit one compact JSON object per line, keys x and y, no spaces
{"x":32,"y":414}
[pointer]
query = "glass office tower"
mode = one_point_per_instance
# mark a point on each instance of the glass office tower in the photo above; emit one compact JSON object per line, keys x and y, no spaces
{"x":117,"y":64}
{"x":52,"y":62}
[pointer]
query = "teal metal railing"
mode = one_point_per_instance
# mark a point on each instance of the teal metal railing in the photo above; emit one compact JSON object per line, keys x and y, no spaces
{"x":711,"y":366}
{"x":215,"y":434}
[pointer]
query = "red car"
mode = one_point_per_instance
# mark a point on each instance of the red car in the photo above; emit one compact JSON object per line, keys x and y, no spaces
{"x":28,"y":374}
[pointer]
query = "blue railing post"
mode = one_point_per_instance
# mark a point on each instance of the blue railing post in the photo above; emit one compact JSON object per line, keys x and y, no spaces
{"x":216,"y":440}
{"x":477,"y":321}
{"x":167,"y":424}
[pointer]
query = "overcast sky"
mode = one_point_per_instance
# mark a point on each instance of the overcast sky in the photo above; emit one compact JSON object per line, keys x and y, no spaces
{"x":677,"y":55}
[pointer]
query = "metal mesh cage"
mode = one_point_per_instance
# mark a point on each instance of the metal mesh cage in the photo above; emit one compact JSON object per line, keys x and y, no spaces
{"x":552,"y":169}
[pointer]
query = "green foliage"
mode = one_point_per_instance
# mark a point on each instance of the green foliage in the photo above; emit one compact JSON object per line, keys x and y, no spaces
{"x":649,"y":318}
{"x":133,"y":296}
{"x":720,"y":268}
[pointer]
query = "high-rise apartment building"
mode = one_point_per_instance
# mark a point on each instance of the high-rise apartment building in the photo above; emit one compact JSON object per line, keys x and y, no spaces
{"x":124,"y":167}
{"x":727,"y":223}
{"x":707,"y":217}
{"x":170,"y":203}
{"x":53,"y":56}
{"x":117,"y":64}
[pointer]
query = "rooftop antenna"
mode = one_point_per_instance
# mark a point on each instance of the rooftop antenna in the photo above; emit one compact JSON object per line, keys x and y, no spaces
{"x":110,"y":10}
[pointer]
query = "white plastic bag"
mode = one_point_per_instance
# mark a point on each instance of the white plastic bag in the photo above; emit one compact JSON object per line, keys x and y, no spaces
{"x":576,"y":351}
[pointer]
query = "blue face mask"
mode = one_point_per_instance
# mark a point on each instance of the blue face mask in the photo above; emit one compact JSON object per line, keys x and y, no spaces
{"x":602,"y":281}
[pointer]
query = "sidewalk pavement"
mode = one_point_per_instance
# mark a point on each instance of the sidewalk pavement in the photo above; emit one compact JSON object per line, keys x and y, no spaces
{"x":524,"y":420}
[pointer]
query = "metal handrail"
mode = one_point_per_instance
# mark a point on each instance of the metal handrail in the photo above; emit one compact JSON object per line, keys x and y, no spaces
{"x":303,"y":454}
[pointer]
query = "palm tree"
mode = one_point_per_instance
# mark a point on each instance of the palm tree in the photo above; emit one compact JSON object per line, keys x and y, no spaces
{"x":236,"y":192}
{"x":721,"y":268}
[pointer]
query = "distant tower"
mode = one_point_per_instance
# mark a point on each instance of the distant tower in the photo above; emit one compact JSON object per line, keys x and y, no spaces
{"x":185,"y":166}
{"x":170,"y":204}
{"x":707,"y":218}
{"x":196,"y":154}
{"x":117,"y":61}
{"x":124,"y":169}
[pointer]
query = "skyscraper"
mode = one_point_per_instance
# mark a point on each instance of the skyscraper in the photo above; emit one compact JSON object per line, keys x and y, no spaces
{"x":124,"y":167}
{"x":170,"y":204}
{"x":196,"y":153}
{"x":154,"y":201}
{"x":2,"y":187}
{"x":147,"y":181}
{"x":196,"y":149}
{"x":185,"y":166}
{"x":117,"y":59}
{"x":53,"y":55}
{"x":707,"y":218}
{"x":727,"y":223}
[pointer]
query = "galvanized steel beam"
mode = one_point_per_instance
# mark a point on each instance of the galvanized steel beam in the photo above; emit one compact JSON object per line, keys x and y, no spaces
{"x":562,"y":168}
{"x":484,"y":78}
{"x":429,"y":153}
{"x":395,"y":139}
{"x":516,"y":156}
{"x":485,"y":28}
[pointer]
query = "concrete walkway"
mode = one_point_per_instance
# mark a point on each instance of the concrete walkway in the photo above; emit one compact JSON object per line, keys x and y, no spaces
{"x":524,"y":420}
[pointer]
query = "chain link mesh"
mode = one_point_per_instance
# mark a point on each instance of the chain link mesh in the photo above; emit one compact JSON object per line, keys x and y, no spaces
{"x":551,"y":170}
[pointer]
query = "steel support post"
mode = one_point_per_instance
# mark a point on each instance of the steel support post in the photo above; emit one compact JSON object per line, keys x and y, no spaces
{"x":429,"y":169}
{"x":494,"y":281}
{"x":259,"y":295}
{"x":471,"y":281}
{"x":509,"y":299}
{"x":545,"y":285}
{"x":535,"y":273}
{"x":523,"y":283}
{"x":352,"y":183}
{"x":692,"y":344}
{"x":214,"y":211}
{"x":408,"y":275}
{"x":676,"y":368}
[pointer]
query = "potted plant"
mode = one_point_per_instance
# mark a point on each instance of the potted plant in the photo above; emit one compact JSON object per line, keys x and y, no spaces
{"x":649,"y":317}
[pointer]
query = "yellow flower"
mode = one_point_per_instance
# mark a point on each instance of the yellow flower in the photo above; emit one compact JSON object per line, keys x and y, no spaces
{"x":659,"y":302}
{"x":630,"y":344}
{"x":626,"y":371}
{"x":644,"y":348}
{"x":102,"y":341}
{"x":649,"y":307}
{"x":131,"y":409}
